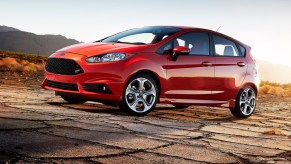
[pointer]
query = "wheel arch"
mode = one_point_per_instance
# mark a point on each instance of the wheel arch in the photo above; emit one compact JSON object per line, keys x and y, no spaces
{"x":151,"y":74}
{"x":251,"y":85}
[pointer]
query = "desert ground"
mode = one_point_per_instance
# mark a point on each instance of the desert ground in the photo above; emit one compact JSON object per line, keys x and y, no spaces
{"x":38,"y":127}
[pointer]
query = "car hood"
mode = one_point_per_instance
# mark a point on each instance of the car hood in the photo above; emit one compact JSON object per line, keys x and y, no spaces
{"x":91,"y":49}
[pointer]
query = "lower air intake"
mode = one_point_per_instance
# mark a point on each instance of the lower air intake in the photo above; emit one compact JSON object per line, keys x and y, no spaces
{"x":64,"y":86}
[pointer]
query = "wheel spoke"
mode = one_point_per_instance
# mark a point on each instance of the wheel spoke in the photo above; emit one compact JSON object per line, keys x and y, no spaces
{"x":243,"y":98}
{"x":133,"y":105}
{"x":247,"y":92}
{"x":150,"y":92}
{"x":141,"y":82}
{"x":252,"y":98}
{"x":145,"y":103}
{"x":131,"y":90}
{"x":245,"y":109}
{"x":242,"y":101}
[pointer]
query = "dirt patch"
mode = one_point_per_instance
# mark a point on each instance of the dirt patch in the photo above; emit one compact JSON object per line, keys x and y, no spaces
{"x":286,"y":155}
{"x":273,"y":132}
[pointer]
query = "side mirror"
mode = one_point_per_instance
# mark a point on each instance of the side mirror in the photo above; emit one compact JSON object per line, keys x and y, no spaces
{"x":180,"y":50}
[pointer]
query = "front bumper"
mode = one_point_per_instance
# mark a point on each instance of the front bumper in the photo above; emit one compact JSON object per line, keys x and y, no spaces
{"x":103,"y":74}
{"x":114,"y":86}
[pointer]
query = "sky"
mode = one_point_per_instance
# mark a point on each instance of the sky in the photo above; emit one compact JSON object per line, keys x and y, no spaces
{"x":265,"y":25}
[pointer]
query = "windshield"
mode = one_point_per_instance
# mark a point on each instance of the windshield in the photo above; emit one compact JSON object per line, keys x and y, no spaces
{"x":145,"y":35}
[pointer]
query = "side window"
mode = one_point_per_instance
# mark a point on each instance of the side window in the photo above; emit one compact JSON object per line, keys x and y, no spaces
{"x":224,"y":47}
{"x":197,"y":42}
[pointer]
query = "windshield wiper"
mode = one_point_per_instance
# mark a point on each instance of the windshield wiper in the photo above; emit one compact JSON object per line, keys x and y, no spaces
{"x":99,"y":40}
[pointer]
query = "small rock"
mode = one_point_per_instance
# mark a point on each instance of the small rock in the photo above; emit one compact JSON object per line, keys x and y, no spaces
{"x":197,"y":138}
{"x":18,"y":147}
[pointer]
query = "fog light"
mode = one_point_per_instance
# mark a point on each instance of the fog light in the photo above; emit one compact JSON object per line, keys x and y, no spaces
{"x":104,"y":88}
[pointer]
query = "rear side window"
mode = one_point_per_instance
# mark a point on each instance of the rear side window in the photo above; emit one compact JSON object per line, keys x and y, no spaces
{"x":197,"y":42}
{"x":242,"y":50}
{"x":225,"y":47}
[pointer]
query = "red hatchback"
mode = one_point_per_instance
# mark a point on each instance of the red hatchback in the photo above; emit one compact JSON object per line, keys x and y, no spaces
{"x":138,"y":68}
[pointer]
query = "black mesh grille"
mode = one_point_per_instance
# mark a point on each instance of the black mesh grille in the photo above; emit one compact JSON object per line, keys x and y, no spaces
{"x":64,"y":86}
{"x":63,"y":66}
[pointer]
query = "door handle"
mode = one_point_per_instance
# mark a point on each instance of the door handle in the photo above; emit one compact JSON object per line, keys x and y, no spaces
{"x":206,"y":63}
{"x":241,"y":64}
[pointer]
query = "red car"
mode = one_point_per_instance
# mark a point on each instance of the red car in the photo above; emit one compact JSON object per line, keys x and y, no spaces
{"x":140,"y":67}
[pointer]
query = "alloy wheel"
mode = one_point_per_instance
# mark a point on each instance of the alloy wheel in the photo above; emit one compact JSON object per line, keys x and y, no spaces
{"x":140,"y":95}
{"x":247,"y":101}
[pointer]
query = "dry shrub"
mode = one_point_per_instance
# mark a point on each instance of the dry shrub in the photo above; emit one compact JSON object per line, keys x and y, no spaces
{"x":18,"y":65}
{"x":275,"y":88}
{"x":288,"y":92}
{"x":8,"y":61}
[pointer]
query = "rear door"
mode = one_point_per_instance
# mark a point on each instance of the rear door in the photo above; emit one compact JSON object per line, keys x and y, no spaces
{"x":230,"y":68}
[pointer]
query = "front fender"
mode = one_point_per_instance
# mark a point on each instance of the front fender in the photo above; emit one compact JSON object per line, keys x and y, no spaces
{"x":148,"y":62}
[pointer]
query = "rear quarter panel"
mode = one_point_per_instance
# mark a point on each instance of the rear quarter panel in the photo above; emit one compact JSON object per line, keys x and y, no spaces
{"x":252,"y":75}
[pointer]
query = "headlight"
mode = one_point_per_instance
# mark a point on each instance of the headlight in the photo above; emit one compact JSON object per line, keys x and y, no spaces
{"x":115,"y":56}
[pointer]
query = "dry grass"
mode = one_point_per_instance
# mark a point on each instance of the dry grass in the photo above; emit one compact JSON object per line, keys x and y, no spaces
{"x":23,"y":56}
{"x":17,"y":65}
{"x":21,"y":62}
{"x":267,"y":87}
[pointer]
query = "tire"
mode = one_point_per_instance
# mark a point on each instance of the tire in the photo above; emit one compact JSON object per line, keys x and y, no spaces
{"x":140,"y":95}
{"x":245,"y":103}
{"x":181,"y":106}
{"x":72,"y":100}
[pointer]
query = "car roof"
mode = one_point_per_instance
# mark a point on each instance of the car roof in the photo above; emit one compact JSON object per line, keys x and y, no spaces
{"x":181,"y":27}
{"x":188,"y":28}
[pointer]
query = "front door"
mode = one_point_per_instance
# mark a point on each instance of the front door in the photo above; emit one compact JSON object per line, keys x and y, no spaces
{"x":189,"y":78}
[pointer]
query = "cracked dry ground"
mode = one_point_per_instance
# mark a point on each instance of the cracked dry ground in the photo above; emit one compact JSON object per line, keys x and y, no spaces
{"x":36,"y":126}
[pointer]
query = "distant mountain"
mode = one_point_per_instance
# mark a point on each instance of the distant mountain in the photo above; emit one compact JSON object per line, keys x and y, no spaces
{"x":12,"y":39}
{"x":274,"y":72}
{"x":6,"y":29}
